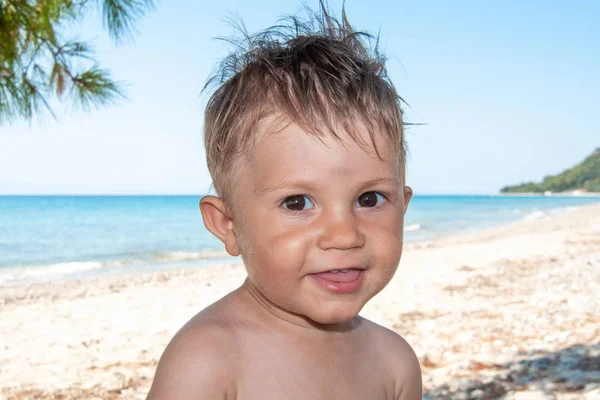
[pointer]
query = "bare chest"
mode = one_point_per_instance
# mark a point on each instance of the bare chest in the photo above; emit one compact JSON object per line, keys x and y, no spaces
{"x":278,"y":372}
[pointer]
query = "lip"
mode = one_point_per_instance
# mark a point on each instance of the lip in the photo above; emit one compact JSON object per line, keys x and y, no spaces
{"x":347,"y":286}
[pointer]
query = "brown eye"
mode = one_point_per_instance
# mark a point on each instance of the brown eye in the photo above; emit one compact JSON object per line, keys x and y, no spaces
{"x":370,"y":199}
{"x":297,"y":202}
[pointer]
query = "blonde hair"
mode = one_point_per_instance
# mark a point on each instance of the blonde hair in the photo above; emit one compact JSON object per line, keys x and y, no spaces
{"x":316,"y":72}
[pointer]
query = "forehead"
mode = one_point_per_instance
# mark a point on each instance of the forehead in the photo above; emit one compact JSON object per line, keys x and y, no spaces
{"x":273,"y":129}
{"x":286,"y":149}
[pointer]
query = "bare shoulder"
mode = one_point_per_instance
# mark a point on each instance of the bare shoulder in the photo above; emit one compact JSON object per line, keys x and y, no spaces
{"x":401,"y":361}
{"x":198,"y":363}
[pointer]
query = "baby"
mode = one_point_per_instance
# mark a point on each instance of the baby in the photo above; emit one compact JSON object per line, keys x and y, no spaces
{"x":304,"y":141}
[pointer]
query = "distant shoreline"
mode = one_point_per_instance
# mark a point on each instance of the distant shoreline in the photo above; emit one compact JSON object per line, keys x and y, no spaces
{"x":557,"y":194}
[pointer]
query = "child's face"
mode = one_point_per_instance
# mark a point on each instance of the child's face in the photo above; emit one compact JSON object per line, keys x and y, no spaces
{"x":304,"y":207}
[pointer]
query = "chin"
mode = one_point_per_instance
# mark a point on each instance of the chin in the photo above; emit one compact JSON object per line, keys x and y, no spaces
{"x":337,"y":314}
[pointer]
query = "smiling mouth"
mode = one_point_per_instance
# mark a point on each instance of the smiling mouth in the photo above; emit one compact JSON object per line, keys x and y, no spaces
{"x":340,"y":275}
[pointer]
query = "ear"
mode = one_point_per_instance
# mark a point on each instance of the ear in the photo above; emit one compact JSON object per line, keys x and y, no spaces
{"x":217,"y":221}
{"x":408,"y":192}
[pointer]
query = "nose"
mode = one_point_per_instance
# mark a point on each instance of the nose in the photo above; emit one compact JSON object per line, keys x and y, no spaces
{"x":340,"y":230}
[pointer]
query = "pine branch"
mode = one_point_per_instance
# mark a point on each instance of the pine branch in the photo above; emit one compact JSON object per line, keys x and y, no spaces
{"x":95,"y":88}
{"x":119,"y":17}
{"x":37,"y":64}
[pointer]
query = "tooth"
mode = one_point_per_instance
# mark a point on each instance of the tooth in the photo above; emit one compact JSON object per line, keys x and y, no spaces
{"x":335,"y":271}
{"x":345,"y":270}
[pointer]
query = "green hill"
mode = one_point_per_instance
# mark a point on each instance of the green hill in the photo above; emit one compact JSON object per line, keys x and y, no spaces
{"x":585,"y":175}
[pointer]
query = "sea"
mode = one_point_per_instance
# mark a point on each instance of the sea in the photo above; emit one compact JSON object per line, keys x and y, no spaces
{"x":46,"y":238}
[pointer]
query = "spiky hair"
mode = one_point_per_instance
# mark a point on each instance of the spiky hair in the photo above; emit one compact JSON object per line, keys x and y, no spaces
{"x":310,"y":69}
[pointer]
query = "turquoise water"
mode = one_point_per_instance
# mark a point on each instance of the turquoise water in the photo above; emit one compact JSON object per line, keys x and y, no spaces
{"x":54,"y":237}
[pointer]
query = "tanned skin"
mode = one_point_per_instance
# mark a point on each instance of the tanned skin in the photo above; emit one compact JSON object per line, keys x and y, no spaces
{"x":309,"y":206}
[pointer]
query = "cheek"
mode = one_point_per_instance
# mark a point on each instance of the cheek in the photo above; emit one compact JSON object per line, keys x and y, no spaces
{"x":388,"y":226}
{"x":294,"y":239}
{"x":275,"y":245}
{"x":386,"y":235}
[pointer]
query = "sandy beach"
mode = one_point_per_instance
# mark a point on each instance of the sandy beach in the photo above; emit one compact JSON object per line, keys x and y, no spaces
{"x":508,"y":313}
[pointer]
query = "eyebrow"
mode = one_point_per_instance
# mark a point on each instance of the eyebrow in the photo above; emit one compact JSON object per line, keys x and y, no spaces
{"x":308,"y":185}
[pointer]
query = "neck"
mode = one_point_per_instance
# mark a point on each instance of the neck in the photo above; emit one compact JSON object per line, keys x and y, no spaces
{"x":296,"y":322}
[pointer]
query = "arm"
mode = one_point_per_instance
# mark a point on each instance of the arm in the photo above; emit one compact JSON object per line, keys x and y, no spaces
{"x":409,"y":385}
{"x":195,"y":365}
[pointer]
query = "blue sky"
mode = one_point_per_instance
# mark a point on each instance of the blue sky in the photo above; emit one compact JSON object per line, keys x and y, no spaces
{"x":509,"y":92}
